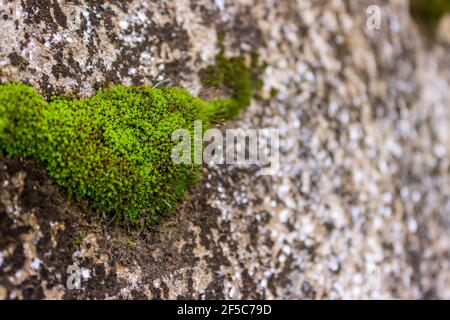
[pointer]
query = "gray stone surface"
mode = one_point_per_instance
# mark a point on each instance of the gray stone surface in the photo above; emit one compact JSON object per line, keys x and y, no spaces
{"x":360,"y":209}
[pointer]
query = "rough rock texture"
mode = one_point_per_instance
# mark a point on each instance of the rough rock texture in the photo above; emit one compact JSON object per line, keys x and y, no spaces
{"x":360,"y":209}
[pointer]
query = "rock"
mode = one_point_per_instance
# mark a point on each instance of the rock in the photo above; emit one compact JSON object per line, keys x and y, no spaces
{"x":360,"y":208}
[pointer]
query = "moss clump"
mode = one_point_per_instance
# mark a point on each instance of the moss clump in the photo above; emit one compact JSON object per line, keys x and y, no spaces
{"x":114,"y":148}
{"x":232,"y":74}
{"x":429,"y":13}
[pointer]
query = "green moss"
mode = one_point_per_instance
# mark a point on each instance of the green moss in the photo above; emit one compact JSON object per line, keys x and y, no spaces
{"x":233,"y":75}
{"x":429,"y":13}
{"x":114,"y":148}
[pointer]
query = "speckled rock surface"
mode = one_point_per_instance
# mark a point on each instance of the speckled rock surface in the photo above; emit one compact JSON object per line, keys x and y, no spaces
{"x":361,"y":205}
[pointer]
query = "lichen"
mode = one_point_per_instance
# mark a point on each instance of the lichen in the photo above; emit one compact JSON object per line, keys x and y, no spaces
{"x":77,"y":239}
{"x":114,"y":149}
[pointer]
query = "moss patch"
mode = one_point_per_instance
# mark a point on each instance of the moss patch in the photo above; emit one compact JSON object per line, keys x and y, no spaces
{"x":428,"y":13}
{"x":114,"y":148}
{"x":232,"y":74}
